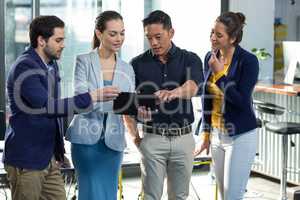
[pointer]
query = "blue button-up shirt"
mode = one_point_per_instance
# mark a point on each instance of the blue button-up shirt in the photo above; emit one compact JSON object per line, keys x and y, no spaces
{"x":153,"y":75}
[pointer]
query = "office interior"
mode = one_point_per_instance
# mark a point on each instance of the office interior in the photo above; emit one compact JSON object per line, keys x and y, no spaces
{"x":272,"y":28}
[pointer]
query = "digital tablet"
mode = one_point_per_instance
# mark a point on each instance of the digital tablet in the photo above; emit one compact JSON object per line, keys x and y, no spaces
{"x":127,"y":103}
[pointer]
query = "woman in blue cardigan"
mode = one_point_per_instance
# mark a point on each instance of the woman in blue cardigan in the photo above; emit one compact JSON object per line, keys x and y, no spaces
{"x":229,"y":122}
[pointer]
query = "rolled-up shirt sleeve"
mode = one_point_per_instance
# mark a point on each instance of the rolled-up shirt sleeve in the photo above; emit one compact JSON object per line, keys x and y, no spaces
{"x":194,"y":69}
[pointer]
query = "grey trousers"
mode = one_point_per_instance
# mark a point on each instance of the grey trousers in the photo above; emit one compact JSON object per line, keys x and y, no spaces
{"x":170,"y":157}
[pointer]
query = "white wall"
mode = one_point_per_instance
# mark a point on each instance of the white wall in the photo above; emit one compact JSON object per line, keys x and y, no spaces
{"x":133,"y":13}
{"x":259,"y":31}
{"x":289,"y":14}
{"x":110,"y":5}
{"x":192,"y":21}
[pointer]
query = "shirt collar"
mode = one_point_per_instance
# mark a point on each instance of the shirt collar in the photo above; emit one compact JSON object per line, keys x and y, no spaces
{"x":49,"y":65}
{"x":170,"y":53}
{"x":32,"y":51}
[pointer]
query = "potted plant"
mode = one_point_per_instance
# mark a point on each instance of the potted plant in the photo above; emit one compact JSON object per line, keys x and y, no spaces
{"x":261,"y":54}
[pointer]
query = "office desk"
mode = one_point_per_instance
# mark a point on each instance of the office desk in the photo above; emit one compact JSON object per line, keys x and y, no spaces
{"x":283,"y":89}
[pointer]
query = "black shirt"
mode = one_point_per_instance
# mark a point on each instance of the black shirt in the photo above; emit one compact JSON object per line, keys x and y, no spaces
{"x":153,"y":75}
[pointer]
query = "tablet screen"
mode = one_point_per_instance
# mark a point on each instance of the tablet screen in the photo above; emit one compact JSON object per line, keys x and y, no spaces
{"x":127,"y":103}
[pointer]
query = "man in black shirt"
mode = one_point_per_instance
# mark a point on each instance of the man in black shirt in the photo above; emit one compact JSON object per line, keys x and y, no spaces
{"x":174,"y":76}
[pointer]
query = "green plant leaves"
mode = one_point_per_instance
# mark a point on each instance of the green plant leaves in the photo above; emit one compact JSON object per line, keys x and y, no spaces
{"x":261,"y":53}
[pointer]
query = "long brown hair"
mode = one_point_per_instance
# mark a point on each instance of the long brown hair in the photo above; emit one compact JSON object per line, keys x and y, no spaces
{"x":100,"y":23}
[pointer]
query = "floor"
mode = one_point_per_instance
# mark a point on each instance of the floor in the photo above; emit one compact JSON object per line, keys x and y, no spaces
{"x":202,"y":184}
{"x":202,"y":187}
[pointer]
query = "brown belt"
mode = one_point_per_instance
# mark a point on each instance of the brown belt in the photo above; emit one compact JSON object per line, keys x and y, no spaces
{"x":168,"y":132}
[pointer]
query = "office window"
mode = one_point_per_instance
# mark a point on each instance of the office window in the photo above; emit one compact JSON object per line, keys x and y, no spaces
{"x":192,"y":22}
{"x":79,"y":16}
{"x":79,"y":30}
{"x":17,"y":19}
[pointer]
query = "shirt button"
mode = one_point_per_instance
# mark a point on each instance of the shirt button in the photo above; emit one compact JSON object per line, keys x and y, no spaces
{"x":165,"y":75}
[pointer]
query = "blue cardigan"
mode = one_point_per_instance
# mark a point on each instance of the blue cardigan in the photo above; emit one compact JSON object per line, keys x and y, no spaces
{"x":237,"y":86}
{"x":34,"y":134}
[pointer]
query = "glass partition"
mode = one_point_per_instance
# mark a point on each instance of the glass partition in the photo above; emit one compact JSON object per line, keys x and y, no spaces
{"x":79,"y":29}
{"x":18,"y":17}
{"x":79,"y":19}
{"x":192,"y":22}
{"x":18,"y":14}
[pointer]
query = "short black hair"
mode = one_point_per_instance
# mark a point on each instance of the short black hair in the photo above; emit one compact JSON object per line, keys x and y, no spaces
{"x":158,"y":17}
{"x":43,"y":26}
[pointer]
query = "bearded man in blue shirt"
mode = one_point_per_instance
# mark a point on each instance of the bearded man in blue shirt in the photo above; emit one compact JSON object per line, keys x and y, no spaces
{"x":34,"y":138}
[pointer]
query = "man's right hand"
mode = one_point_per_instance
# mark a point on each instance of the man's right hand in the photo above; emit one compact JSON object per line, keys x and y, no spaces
{"x":144,"y":114}
{"x":105,"y":94}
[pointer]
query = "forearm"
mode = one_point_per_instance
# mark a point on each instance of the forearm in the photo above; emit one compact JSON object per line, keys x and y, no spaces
{"x":187,"y":90}
{"x":131,"y":125}
{"x":67,"y":106}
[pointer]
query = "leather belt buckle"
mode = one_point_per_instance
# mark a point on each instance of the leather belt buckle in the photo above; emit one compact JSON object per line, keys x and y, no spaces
{"x":179,"y":132}
{"x":163,"y":132}
{"x":175,"y":132}
{"x":172,"y":132}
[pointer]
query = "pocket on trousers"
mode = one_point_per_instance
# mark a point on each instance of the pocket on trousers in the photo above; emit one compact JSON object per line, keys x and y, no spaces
{"x":16,"y":171}
{"x":191,"y":142}
{"x":141,"y":144}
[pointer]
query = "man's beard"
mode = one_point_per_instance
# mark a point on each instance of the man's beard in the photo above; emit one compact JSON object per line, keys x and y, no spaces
{"x":50,"y":53}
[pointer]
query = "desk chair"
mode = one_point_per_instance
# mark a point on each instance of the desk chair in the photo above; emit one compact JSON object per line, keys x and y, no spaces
{"x":264,"y":109}
{"x":284,"y":129}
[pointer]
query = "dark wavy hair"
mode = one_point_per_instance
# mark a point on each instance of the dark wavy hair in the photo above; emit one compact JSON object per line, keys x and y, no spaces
{"x":234,"y":23}
{"x":100,"y":23}
{"x":43,"y":26}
